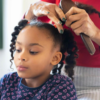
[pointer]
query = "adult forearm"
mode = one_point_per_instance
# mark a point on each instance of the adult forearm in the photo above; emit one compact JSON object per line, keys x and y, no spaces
{"x":96,"y":38}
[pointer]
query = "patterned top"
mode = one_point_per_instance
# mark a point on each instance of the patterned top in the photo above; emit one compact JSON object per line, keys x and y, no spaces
{"x":57,"y":87}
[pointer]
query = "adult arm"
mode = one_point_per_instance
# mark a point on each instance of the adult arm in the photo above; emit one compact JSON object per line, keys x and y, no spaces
{"x":82,"y":24}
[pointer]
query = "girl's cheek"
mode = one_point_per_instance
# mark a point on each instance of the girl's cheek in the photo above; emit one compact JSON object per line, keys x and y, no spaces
{"x":15,"y":58}
{"x":15,"y":55}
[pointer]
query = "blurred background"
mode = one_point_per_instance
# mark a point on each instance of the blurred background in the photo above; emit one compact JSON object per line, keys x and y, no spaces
{"x":12,"y":11}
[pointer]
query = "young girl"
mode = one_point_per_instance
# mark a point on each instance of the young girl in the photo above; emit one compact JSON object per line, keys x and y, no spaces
{"x":38,"y":48}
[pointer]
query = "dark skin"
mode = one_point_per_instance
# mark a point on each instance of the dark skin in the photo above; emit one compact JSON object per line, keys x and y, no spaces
{"x":34,"y":50}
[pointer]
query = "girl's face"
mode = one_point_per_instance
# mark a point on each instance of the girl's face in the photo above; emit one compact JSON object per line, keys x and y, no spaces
{"x":34,"y":51}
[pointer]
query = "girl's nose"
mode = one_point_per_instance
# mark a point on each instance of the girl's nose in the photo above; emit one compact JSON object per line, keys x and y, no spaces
{"x":23,"y":56}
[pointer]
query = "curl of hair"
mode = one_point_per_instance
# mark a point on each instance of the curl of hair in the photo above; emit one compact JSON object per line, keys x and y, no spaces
{"x":14,"y":35}
{"x":68,"y":46}
{"x":89,"y":9}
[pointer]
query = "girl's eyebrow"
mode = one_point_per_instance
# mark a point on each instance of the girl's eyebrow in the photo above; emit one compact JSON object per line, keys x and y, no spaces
{"x":31,"y":44}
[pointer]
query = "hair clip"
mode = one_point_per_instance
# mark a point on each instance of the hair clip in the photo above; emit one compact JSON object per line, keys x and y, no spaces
{"x":55,"y":25}
{"x":28,"y":22}
{"x":64,"y":62}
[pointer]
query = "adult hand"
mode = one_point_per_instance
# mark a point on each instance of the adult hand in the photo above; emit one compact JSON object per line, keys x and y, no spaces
{"x":52,"y":11}
{"x":82,"y":22}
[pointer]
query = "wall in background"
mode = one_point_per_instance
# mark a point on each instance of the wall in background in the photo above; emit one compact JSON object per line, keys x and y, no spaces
{"x":13,"y":11}
{"x":1,"y":13}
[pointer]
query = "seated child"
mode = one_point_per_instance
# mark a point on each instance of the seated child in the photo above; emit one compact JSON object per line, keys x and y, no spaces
{"x":37,"y":48}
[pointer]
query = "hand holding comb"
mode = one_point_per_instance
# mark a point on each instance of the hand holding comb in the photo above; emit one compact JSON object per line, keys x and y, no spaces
{"x":65,"y":5}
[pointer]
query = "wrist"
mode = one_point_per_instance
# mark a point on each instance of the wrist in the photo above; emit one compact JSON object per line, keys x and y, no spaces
{"x":96,"y":34}
{"x":96,"y":37}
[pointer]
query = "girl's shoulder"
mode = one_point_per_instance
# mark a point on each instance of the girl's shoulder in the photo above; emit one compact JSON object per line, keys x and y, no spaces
{"x":9,"y":77}
{"x":61,"y":81}
{"x":62,"y":78}
{"x":61,"y":87}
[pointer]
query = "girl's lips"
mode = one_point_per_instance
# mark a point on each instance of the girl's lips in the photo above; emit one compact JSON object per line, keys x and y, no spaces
{"x":21,"y":68}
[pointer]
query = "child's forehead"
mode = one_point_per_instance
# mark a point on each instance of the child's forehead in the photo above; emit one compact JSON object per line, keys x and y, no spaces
{"x":33,"y":34}
{"x":35,"y":29}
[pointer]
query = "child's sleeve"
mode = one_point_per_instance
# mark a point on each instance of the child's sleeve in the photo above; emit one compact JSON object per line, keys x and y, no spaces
{"x":1,"y":85}
{"x":3,"y":82}
{"x":0,"y":88}
{"x":65,"y":91}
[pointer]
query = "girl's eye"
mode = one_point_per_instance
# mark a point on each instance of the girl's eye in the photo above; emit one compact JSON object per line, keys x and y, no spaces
{"x":33,"y":52}
{"x":18,"y":50}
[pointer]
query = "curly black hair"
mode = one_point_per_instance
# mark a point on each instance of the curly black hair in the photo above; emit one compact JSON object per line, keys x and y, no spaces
{"x":66,"y":41}
{"x":88,"y":8}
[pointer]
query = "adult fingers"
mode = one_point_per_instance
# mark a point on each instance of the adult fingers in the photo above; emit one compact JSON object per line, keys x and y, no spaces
{"x":60,"y":13}
{"x":53,"y":18}
{"x":82,"y":29}
{"x":76,"y":24}
{"x":60,"y":29}
{"x":76,"y":17}
{"x":74,"y":10}
{"x":79,"y":23}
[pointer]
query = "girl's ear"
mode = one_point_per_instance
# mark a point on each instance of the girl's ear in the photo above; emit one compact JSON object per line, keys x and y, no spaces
{"x":56,"y":58}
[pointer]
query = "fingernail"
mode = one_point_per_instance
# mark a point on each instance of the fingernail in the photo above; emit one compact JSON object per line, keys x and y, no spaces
{"x":65,"y":16}
{"x":61,"y":31}
{"x":60,"y":22}
{"x":63,"y":19}
{"x":48,"y":12}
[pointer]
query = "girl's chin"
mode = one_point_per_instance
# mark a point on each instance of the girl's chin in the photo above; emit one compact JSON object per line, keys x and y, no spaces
{"x":22,"y":75}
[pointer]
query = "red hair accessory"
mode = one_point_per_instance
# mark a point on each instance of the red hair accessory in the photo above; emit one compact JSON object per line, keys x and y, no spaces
{"x":64,"y":62}
{"x":55,"y":25}
{"x":28,"y":22}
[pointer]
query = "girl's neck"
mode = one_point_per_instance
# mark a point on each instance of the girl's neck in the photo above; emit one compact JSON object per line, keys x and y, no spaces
{"x":36,"y":82}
